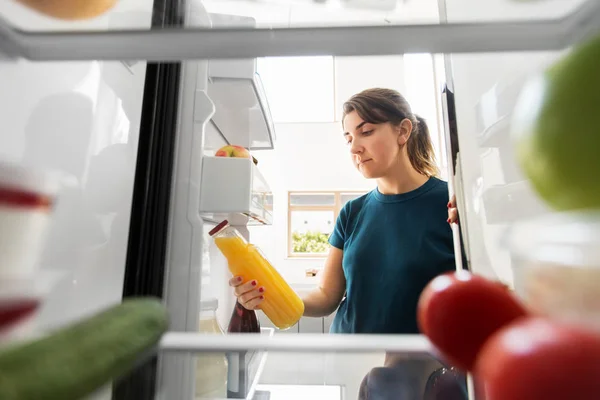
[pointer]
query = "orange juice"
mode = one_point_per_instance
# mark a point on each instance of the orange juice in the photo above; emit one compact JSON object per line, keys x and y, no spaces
{"x":281,"y":304}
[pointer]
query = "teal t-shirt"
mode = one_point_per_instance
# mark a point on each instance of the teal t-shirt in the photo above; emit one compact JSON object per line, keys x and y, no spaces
{"x":393,"y":246}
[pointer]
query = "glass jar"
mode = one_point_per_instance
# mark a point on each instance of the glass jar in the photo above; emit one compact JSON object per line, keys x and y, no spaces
{"x":556,"y":262}
{"x":27,"y":200}
{"x":211,"y":368}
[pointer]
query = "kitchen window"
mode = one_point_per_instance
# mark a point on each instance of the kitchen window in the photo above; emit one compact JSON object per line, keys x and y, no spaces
{"x":311,"y":220}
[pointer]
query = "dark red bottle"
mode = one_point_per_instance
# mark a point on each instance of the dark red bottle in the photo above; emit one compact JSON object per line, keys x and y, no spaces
{"x":238,"y":380}
{"x":243,"y":320}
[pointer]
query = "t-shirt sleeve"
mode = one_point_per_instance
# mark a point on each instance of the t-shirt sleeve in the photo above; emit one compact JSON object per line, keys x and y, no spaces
{"x":338,"y":236}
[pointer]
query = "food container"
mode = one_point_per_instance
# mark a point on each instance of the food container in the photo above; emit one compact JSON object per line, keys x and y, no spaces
{"x":556,"y":262}
{"x":27,"y":198}
{"x":20,"y":302}
{"x":211,"y":368}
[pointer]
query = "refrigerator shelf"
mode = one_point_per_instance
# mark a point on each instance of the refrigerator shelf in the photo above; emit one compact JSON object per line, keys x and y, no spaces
{"x":234,"y":189}
{"x":72,"y":42}
{"x":183,"y":342}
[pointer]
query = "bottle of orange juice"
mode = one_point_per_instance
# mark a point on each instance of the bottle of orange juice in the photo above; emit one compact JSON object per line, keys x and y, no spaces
{"x":281,"y":304}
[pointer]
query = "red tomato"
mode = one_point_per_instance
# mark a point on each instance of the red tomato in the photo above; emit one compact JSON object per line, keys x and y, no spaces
{"x":459,"y":311}
{"x":537,"y":359}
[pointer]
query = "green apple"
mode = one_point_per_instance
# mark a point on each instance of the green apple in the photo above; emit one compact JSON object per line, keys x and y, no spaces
{"x":556,"y":130}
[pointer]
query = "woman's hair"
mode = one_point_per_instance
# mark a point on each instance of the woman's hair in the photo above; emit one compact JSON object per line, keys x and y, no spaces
{"x":378,"y":106}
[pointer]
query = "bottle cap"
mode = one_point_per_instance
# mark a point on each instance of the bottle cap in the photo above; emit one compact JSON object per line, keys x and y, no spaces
{"x":217,"y":228}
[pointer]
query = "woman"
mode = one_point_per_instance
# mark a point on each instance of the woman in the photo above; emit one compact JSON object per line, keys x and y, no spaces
{"x":388,"y":244}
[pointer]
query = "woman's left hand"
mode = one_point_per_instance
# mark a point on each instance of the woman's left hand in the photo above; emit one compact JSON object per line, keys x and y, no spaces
{"x":452,"y":211}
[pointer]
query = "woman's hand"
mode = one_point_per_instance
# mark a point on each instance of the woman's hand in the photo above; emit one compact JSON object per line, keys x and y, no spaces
{"x":452,"y":211}
{"x":249,"y":294}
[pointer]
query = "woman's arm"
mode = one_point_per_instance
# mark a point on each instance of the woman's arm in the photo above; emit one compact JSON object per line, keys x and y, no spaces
{"x":326,"y":298}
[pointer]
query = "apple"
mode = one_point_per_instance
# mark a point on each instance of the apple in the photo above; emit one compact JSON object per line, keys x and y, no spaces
{"x":556,"y":130}
{"x":71,"y":9}
{"x":233,"y":151}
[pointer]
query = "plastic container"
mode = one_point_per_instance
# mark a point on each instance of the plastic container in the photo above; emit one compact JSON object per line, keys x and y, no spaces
{"x":281,"y":305}
{"x":26,"y":202}
{"x":211,"y":368}
{"x":556,"y":262}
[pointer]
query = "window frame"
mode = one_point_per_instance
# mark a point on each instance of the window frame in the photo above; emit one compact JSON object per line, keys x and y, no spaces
{"x":335,"y":207}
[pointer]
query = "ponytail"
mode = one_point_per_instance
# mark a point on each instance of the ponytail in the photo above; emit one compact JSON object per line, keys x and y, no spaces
{"x":420,"y":149}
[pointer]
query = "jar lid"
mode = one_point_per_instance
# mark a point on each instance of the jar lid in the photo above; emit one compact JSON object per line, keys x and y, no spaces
{"x":17,"y":176}
{"x":564,"y":238}
{"x":217,"y":228}
{"x":210,"y":304}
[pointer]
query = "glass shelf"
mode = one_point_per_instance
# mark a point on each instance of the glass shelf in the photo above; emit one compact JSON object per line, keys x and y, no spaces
{"x":301,"y":28}
{"x":343,"y":361}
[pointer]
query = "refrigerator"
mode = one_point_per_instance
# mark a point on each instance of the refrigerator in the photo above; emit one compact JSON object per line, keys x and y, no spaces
{"x":131,"y":106}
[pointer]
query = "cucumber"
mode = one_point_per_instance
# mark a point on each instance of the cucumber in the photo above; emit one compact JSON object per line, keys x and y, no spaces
{"x":77,"y":360}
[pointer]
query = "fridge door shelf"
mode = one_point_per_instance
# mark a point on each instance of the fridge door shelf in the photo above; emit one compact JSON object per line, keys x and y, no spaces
{"x":234,"y":189}
{"x":497,"y":134}
{"x":511,"y":202}
{"x":242,"y":115}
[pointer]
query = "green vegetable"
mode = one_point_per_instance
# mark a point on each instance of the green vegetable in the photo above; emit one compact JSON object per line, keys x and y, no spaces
{"x":79,"y":359}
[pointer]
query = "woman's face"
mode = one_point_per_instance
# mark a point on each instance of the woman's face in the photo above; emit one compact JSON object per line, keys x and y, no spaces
{"x":375,"y":148}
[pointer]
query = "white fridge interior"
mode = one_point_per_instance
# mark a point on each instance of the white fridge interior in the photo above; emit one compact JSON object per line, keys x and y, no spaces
{"x":47,"y":105}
